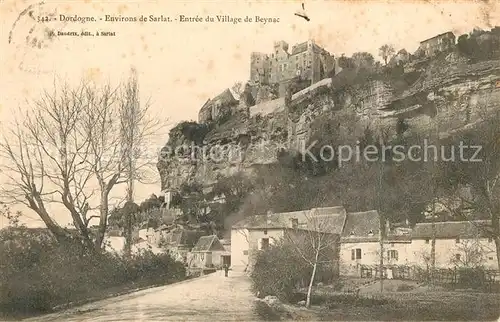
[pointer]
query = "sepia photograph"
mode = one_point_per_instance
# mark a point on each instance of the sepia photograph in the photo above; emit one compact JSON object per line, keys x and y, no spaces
{"x":250,"y":160}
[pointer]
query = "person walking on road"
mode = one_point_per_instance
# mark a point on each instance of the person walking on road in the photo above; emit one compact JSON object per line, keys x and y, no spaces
{"x":226,"y":270}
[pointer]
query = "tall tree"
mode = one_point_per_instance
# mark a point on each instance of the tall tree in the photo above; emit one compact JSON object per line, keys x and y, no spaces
{"x":363,"y":59}
{"x":386,"y":51}
{"x":316,"y":245}
{"x":68,"y":148}
{"x":48,"y":156}
{"x":237,"y":89}
{"x":138,"y":127}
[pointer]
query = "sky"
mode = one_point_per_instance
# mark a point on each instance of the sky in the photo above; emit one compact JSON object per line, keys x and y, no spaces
{"x":182,"y":64}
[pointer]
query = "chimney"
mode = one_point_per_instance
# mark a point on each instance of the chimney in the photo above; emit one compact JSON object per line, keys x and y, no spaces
{"x":387,"y":226}
{"x":269,"y":212}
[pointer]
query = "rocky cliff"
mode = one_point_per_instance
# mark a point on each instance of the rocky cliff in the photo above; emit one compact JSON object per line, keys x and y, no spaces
{"x":447,"y":92}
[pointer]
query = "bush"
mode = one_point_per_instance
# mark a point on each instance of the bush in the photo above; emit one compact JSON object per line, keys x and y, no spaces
{"x":37,"y":273}
{"x":404,"y":288}
{"x":277,"y":272}
{"x":349,"y":300}
{"x":471,"y":277}
{"x":191,"y":131}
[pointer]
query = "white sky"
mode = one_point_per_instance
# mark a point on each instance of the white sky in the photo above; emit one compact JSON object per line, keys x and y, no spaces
{"x":181,"y":65}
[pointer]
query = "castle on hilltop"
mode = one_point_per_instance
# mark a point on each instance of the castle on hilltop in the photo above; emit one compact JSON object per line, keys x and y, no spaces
{"x":270,"y":76}
{"x":306,"y":60}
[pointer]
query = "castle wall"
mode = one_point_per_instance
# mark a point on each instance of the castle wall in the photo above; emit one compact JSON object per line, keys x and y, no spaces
{"x":306,"y":59}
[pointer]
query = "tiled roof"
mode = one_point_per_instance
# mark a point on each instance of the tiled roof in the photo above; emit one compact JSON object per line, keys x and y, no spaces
{"x":179,"y":236}
{"x":297,"y":49}
{"x":329,"y":219}
{"x":440,"y":35}
{"x":206,"y":105}
{"x":207,"y":243}
{"x":452,"y":229}
{"x":226,"y":97}
{"x":362,"y":224}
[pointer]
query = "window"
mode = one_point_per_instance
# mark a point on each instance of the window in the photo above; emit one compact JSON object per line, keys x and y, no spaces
{"x":245,"y":252}
{"x":351,"y":233}
{"x":370,"y":233}
{"x":265,"y":243}
{"x":427,"y":240}
{"x":265,"y":231}
{"x":392,"y":254}
{"x":490,"y":258}
{"x":457,"y":241}
{"x":356,"y":253}
{"x":202,"y":256}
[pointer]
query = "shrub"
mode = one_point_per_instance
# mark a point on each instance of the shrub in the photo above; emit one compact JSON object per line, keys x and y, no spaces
{"x":334,"y":301}
{"x":37,"y":273}
{"x":192,"y":131}
{"x":404,"y":287}
{"x":277,"y":271}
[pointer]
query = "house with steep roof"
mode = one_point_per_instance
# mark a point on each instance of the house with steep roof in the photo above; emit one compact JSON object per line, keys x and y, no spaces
{"x":360,"y":243}
{"x":209,"y":252}
{"x":220,"y":106}
{"x":258,"y":232}
{"x":180,"y":241}
{"x":456,"y":241}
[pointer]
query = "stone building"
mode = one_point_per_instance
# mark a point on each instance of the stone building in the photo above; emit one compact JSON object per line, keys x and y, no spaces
{"x":436,"y":44}
{"x":218,"y":107}
{"x":307,"y":60}
{"x":258,"y":232}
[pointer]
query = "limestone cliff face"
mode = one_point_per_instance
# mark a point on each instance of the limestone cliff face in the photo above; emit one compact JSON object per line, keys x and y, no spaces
{"x":448,"y":94}
{"x":234,"y":146}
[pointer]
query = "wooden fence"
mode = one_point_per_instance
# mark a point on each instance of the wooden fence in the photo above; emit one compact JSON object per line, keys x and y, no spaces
{"x":453,"y":276}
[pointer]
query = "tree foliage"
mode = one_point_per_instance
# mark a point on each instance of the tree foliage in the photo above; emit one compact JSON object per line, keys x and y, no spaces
{"x":277,"y":271}
{"x":39,"y":273}
{"x":386,"y":51}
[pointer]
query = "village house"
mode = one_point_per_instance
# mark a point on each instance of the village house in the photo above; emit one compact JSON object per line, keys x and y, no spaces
{"x":258,"y":232}
{"x":437,"y":44}
{"x":220,"y":106}
{"x":209,"y":252}
{"x":141,"y":244}
{"x":360,"y":244}
{"x":458,"y":243}
{"x":179,"y":242}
